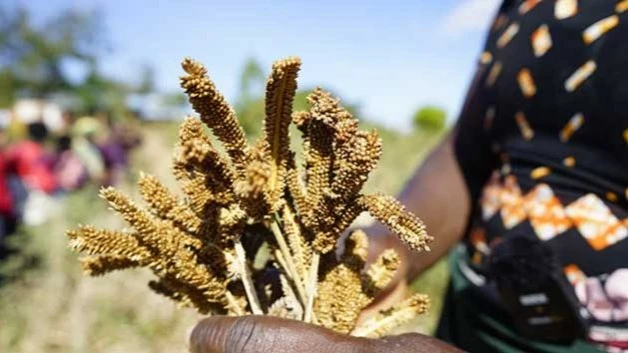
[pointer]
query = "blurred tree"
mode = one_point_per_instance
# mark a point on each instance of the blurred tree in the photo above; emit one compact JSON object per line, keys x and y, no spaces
{"x":41,"y":59}
{"x":147,"y":80}
{"x":98,"y":92}
{"x":34,"y":57}
{"x":249,"y":103}
{"x":251,"y":80}
{"x":174,"y":99}
{"x":430,"y":118}
{"x":7,"y":88}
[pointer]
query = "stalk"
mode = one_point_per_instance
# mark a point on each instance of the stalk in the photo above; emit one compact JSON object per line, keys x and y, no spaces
{"x":287,"y":256}
{"x":234,"y":304}
{"x":245,"y":275}
{"x":312,"y":284}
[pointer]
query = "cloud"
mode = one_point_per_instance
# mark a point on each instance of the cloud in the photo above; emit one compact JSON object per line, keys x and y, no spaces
{"x":469,"y":16}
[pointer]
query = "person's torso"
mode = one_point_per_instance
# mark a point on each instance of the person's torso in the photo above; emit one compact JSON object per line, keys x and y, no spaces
{"x":557,"y":118}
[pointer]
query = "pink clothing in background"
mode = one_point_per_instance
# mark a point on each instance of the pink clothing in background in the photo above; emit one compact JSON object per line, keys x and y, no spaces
{"x":69,"y":171}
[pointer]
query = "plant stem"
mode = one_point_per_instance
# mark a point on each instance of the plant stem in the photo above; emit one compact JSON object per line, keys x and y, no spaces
{"x":312,"y":285}
{"x":233,"y":303}
{"x":249,"y":288}
{"x":287,"y":255}
{"x":280,"y":259}
{"x":282,"y":263}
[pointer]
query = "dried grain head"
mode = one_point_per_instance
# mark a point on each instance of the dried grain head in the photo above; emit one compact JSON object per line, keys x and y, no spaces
{"x":92,"y":241}
{"x":214,"y":110}
{"x":103,"y":264}
{"x":408,"y":227}
{"x":356,"y":250}
{"x":326,"y":109}
{"x":382,"y":323}
{"x":250,"y":189}
{"x":381,"y":272}
{"x":200,"y":246}
{"x":166,"y":205}
{"x":355,"y":160}
{"x":196,"y":154}
{"x":280,"y":90}
{"x":340,"y":299}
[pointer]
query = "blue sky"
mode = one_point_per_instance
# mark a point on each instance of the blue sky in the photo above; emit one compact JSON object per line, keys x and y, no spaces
{"x":389,"y":56}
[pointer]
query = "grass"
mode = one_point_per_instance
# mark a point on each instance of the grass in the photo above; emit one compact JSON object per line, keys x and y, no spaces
{"x":47,"y":305}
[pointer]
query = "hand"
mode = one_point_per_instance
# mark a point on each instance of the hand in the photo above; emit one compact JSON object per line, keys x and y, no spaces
{"x":265,"y":334}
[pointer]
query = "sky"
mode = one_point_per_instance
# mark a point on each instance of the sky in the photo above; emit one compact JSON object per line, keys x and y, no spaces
{"x":390,"y":57}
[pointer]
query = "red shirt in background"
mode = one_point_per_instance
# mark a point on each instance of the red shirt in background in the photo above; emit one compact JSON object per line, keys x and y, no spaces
{"x":6,"y":200}
{"x":28,"y":160}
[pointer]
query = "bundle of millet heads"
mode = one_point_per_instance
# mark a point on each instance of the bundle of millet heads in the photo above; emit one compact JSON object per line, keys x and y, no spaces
{"x":253,"y":232}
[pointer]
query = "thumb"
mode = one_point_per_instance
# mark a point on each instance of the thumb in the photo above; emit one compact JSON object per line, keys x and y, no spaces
{"x":265,"y":334}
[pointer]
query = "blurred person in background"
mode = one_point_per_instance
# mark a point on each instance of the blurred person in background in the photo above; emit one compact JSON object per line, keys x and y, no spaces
{"x":85,"y":133}
{"x":128,"y":132}
{"x":7,"y":212}
{"x":67,"y":121}
{"x":528,"y":195}
{"x":68,"y":169}
{"x":115,"y":147}
{"x":32,"y":181}
{"x":28,"y":159}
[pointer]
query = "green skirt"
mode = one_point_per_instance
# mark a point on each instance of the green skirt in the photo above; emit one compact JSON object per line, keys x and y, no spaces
{"x":472,"y":323}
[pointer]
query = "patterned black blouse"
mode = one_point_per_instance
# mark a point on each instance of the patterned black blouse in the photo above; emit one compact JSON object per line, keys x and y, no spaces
{"x":550,"y":107}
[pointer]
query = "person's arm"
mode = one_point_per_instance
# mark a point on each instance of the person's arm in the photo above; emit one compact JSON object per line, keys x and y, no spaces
{"x":265,"y":334}
{"x":441,"y":190}
{"x":438,"y":195}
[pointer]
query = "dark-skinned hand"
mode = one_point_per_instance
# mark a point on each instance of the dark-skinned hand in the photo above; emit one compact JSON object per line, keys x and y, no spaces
{"x":265,"y":334}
